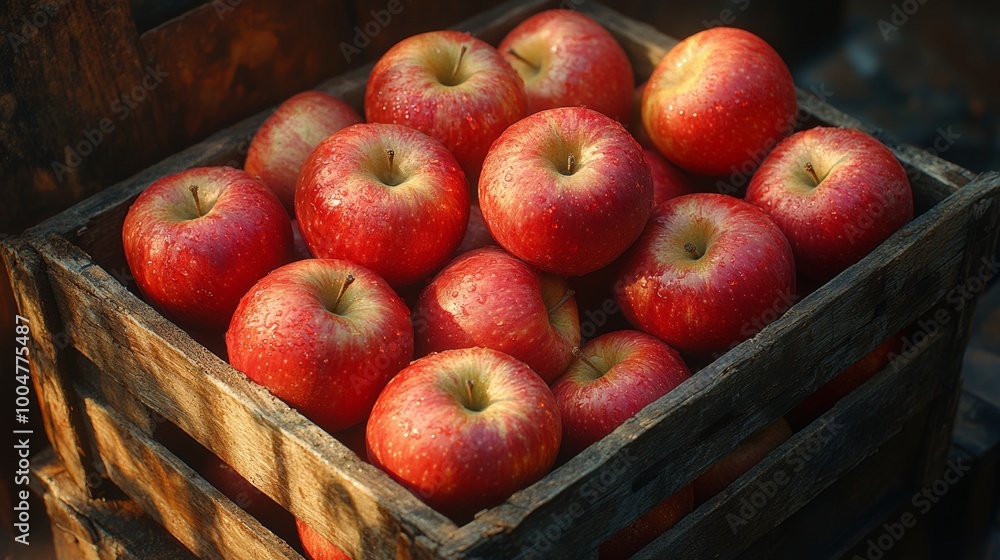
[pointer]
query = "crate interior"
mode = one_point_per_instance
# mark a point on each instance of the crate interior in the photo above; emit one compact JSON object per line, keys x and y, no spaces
{"x":100,"y":237}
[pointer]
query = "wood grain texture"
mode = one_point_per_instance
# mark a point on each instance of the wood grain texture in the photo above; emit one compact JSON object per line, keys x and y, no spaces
{"x":227,"y":60}
{"x":884,"y":292}
{"x":810,"y":461}
{"x":67,"y":132}
{"x":85,"y":529}
{"x":279,"y":451}
{"x":50,"y":373}
{"x":173,"y":494}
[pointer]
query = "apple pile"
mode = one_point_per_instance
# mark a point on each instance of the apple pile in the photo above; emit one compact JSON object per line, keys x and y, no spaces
{"x":491,"y":214}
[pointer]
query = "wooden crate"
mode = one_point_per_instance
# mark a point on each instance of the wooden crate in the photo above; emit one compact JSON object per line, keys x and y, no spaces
{"x":103,"y":359}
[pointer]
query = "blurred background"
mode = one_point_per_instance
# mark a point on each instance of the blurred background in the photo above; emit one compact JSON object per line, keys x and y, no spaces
{"x":923,"y":70}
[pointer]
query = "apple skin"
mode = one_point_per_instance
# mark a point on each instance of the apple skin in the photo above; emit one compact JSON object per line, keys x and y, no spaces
{"x":290,"y":134}
{"x":566,"y":221}
{"x":244,"y":494}
{"x":489,"y":298}
{"x":747,"y":454}
{"x":705,"y":304}
{"x":635,"y":370}
{"x":644,"y":530}
{"x":402,"y":219}
{"x":668,"y":181}
{"x":326,"y":358}
{"x":862,"y":198}
{"x":461,"y":455}
{"x":194,"y":269}
{"x":317,"y":546}
{"x":719,"y":99}
{"x":571,"y":61}
{"x":409,"y":85}
{"x":815,"y":405}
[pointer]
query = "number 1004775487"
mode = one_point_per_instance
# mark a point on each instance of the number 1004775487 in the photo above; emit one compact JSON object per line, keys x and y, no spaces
{"x":22,"y":375}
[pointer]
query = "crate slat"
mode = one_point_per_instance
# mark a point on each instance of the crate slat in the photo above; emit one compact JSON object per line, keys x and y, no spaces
{"x":86,"y":529}
{"x":847,"y":434}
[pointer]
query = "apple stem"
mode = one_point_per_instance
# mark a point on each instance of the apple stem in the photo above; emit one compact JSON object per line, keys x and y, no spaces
{"x":343,"y":288}
{"x":562,"y":300}
{"x":513,"y":53}
{"x":197,"y":202}
{"x":579,"y":354}
{"x":692,"y":250}
{"x":458,"y":63}
{"x":390,"y":153}
{"x":470,"y":386}
{"x":812,"y":172}
{"x":570,"y":164}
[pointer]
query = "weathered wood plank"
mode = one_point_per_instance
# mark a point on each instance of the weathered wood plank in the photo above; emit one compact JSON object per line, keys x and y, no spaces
{"x":49,"y":371}
{"x":982,"y":241}
{"x":176,"y":496}
{"x":92,"y":57}
{"x":279,"y":451}
{"x":84,"y":529}
{"x":918,"y":266}
{"x":809,"y":462}
{"x":226,"y":60}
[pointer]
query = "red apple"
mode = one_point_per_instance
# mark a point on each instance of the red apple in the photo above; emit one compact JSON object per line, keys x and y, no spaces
{"x":567,"y":59}
{"x":451,"y":86}
{"x":489,"y":298}
{"x":668,"y":181}
{"x":464,"y":429}
{"x":385,"y":196}
{"x":567,"y":190}
{"x":196,"y":241}
{"x":325,"y":336}
{"x":317,"y":546}
{"x":836,"y":193}
{"x":290,"y":134}
{"x":815,"y":405}
{"x":244,"y":494}
{"x":476,"y":234}
{"x":705,"y":272}
{"x":719,"y":101}
{"x":747,"y":454}
{"x":612,"y":378}
{"x":644,"y":530}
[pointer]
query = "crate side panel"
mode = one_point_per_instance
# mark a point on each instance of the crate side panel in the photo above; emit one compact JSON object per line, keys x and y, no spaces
{"x":886,"y":291}
{"x":812,"y":460}
{"x":282,"y":453}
